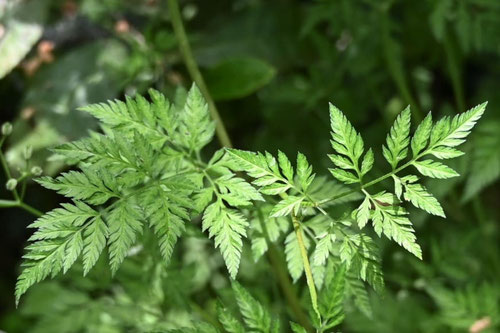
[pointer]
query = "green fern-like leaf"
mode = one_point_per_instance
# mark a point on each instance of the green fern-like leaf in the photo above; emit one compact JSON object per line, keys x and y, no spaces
{"x":435,"y":169}
{"x":145,"y":172}
{"x":256,"y":317}
{"x":332,"y":299}
{"x":322,"y":249}
{"x":166,"y":214}
{"x":265,"y":169}
{"x":452,"y":132}
{"x":398,"y":139}
{"x":421,"y":136}
{"x":61,"y":235}
{"x":420,"y":198}
{"x":349,"y":147}
{"x":293,"y":256}
{"x":296,"y":328}
{"x":196,"y":125}
{"x":228,"y":321}
{"x":228,"y":227}
{"x":357,"y":290}
{"x":95,"y":187}
{"x":125,"y":222}
{"x":360,"y":253}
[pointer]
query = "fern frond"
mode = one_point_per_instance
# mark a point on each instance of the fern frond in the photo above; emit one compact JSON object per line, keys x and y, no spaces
{"x":361,"y":255}
{"x":332,"y":299}
{"x":275,"y":177}
{"x":95,"y":236}
{"x":166,"y":213}
{"x":263,"y":168}
{"x":118,"y":154}
{"x":420,"y":198}
{"x":293,"y":256}
{"x":349,"y":147}
{"x":228,"y":227}
{"x":57,"y":243}
{"x":322,"y":249}
{"x":133,"y":115}
{"x":305,"y":175}
{"x":391,"y":220}
{"x":422,"y":134}
{"x":287,"y":206}
{"x":256,"y":317}
{"x":435,"y":169}
{"x":296,"y":328}
{"x":95,"y":187}
{"x":195,"y":124}
{"x":228,"y":321}
{"x":141,"y":174}
{"x":357,"y":290}
{"x":125,"y":222}
{"x":452,"y":132}
{"x":236,"y":191}
{"x":396,"y":148}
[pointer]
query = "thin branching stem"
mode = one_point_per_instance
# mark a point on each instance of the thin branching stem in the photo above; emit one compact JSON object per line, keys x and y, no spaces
{"x":307,"y":267}
{"x":281,"y":273}
{"x":30,"y":209}
{"x":194,"y":71}
{"x":225,"y":141}
{"x":6,"y":170}
{"x":373,"y":182}
{"x":18,"y":200}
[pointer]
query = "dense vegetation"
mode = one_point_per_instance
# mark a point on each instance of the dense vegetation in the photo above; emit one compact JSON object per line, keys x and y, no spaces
{"x":273,"y":169}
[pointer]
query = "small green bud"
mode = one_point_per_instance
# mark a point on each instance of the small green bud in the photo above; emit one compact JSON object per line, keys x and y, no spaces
{"x":28,"y":151}
{"x":11,"y":184}
{"x":36,"y":171}
{"x":6,"y":128}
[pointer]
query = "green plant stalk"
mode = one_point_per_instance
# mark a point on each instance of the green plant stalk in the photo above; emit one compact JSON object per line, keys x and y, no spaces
{"x":307,"y":267}
{"x":225,"y":141}
{"x":284,"y":281}
{"x":18,"y":200}
{"x":22,"y":205}
{"x":30,"y":209}
{"x":6,"y":170}
{"x":8,"y":203}
{"x":375,"y":181}
{"x":194,"y":71}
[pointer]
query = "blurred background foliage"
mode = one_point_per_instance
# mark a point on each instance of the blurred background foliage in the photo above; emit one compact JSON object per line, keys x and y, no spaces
{"x":272,"y":67}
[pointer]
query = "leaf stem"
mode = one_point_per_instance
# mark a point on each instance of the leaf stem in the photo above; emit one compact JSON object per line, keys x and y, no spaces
{"x":281,"y":273}
{"x":6,"y":170}
{"x":30,"y":209}
{"x":225,"y":141}
{"x":375,"y":181}
{"x":194,"y":71}
{"x":18,"y":202}
{"x":307,"y":267}
{"x":8,"y":203}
